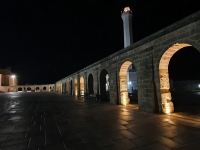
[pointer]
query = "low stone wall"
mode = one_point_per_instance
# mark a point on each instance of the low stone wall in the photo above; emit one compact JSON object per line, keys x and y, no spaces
{"x":188,"y":85}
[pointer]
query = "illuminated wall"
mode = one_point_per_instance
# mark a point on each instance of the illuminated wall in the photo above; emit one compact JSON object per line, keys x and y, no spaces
{"x":151,"y":57}
{"x":123,"y":83}
{"x":75,"y":87}
{"x":81,"y":85}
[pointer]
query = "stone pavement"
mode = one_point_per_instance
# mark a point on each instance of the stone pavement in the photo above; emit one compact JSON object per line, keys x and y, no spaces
{"x":51,"y":121}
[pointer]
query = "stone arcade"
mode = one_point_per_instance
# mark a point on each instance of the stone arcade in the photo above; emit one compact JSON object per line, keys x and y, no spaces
{"x":149,"y":59}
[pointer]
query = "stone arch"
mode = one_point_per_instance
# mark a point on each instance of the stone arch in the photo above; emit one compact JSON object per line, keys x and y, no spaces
{"x":90,"y":84}
{"x":44,"y":88}
{"x":37,"y":88}
{"x":68,"y":87}
{"x":75,"y":87}
{"x":71,"y":88}
{"x":28,"y":89}
{"x":167,"y":104}
{"x":63,"y":87}
{"x":126,"y":89}
{"x":104,"y":85}
{"x":19,"y":89}
{"x":82,"y":91}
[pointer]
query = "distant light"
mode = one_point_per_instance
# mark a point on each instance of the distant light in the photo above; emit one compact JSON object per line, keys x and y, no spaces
{"x":127,"y":9}
{"x":13,"y":76}
{"x":199,"y":85}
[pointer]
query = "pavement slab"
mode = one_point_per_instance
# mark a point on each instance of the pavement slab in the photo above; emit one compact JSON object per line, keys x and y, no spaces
{"x":49,"y":121}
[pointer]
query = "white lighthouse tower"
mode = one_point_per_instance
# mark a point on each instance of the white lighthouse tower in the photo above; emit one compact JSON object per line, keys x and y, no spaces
{"x":127,"y":24}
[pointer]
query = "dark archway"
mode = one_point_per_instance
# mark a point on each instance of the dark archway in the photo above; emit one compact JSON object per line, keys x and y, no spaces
{"x":44,"y":88}
{"x":28,"y":89}
{"x":132,"y":84}
{"x":90,"y":84}
{"x":64,"y":87}
{"x":19,"y":89}
{"x":184,"y":79}
{"x":37,"y":88}
{"x":71,"y":88}
{"x":104,"y":86}
{"x":128,"y":83}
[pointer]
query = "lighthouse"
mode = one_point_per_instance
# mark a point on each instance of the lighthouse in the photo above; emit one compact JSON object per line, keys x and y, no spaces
{"x":127,"y":25}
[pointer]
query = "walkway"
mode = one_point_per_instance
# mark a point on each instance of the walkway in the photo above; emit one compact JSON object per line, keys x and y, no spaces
{"x":52,"y":121}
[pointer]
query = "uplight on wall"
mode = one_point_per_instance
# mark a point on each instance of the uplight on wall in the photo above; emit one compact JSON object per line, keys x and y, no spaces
{"x":13,"y":79}
{"x":13,"y":76}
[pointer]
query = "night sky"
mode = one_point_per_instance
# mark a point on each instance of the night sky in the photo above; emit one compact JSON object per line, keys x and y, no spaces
{"x":46,"y":40}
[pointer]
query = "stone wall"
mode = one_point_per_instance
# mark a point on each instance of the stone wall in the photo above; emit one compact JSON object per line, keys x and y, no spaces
{"x":150,"y":57}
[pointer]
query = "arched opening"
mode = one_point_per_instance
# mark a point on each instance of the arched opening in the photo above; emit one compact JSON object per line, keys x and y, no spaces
{"x":64,"y":87}
{"x":75,"y":87}
{"x":71,"y":88}
{"x":44,"y":88}
{"x":37,"y":89}
{"x":28,"y":89}
{"x":82,"y":86}
{"x":19,"y":89}
{"x":184,"y":78}
{"x":90,"y":84}
{"x":104,"y":86}
{"x":128,"y":83}
{"x":167,"y":104}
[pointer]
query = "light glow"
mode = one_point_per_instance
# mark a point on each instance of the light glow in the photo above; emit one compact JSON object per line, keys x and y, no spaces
{"x":127,"y":9}
{"x":13,"y":76}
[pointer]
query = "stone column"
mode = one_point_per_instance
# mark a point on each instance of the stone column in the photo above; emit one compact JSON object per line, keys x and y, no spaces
{"x":167,"y":105}
{"x":86,"y":83}
{"x":97,"y":83}
{"x":78,"y":84}
{"x":123,"y":90}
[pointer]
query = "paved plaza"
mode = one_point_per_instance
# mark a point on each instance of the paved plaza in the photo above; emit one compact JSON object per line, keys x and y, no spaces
{"x":52,"y":121}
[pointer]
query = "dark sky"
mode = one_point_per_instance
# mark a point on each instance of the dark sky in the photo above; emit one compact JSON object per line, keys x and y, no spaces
{"x":46,"y":40}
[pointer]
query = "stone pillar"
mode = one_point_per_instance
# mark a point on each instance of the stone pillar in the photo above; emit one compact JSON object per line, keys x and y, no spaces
{"x":0,"y":78}
{"x":167,"y":105}
{"x":82,"y":85}
{"x":79,"y":85}
{"x":86,"y":83}
{"x":97,"y":84}
{"x":123,"y":90}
